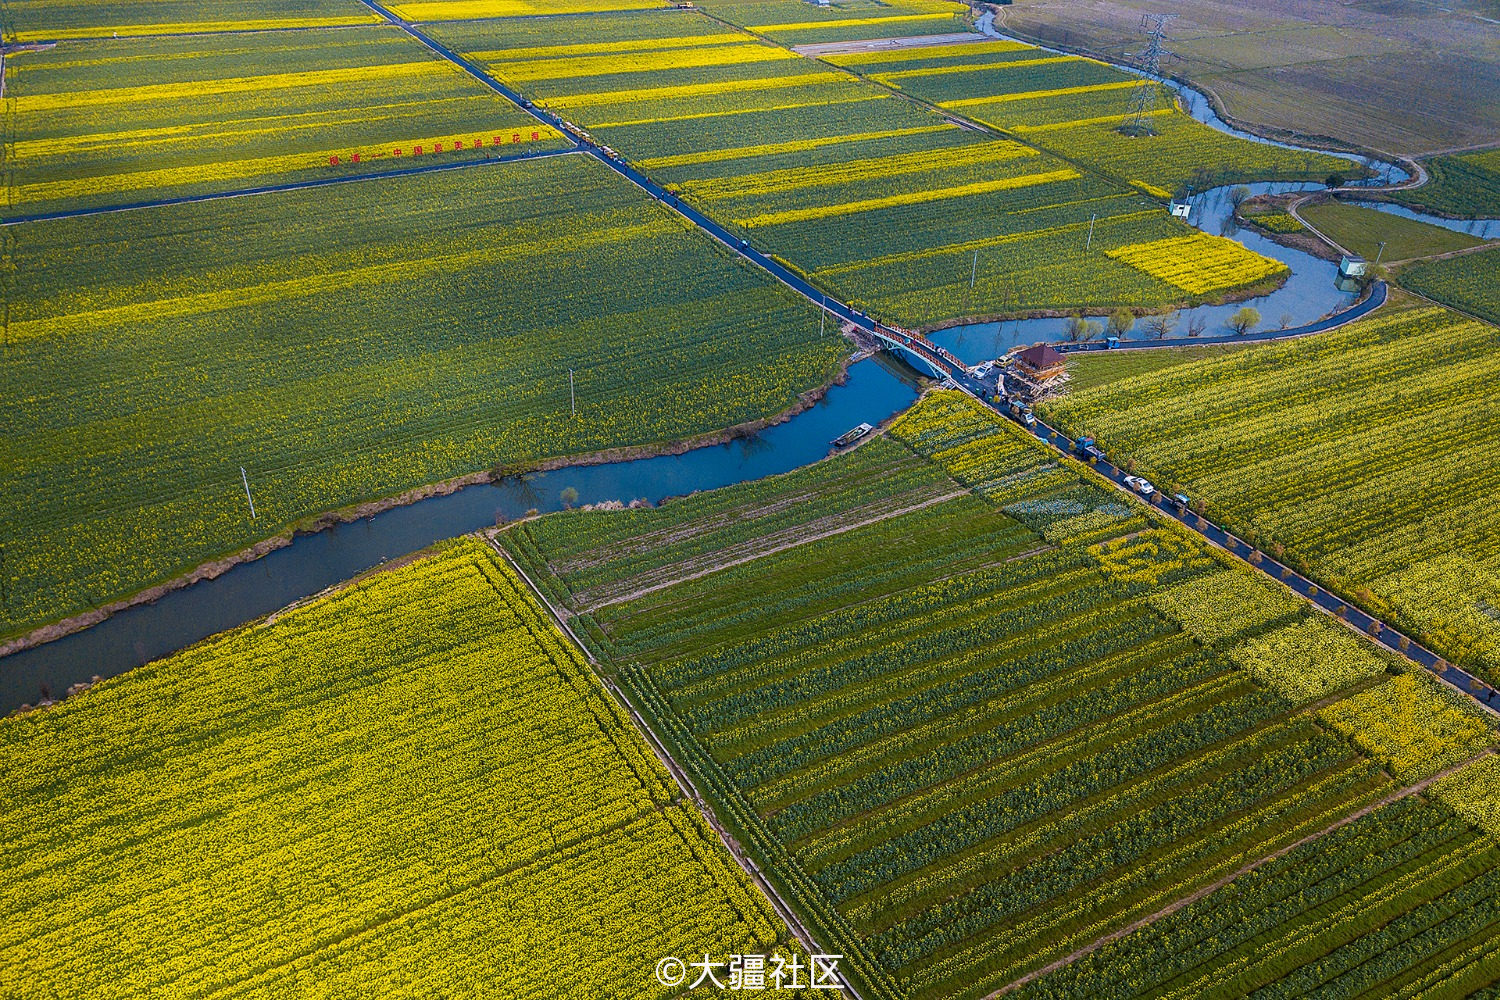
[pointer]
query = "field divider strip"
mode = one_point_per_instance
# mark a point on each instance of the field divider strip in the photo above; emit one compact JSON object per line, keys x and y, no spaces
{"x":679,"y":774}
{"x":557,"y":617}
{"x":819,"y":536}
{"x":1245,"y":869}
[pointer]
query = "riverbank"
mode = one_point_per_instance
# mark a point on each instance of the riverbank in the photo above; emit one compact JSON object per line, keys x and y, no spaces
{"x":317,"y":523}
{"x":1265,"y":131}
{"x":1231,"y":296}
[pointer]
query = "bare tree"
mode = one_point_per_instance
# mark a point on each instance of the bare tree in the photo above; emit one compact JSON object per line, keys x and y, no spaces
{"x":1197,"y":326}
{"x":1160,"y":326}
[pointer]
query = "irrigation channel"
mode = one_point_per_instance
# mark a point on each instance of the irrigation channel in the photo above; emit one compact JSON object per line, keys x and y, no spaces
{"x":873,"y":392}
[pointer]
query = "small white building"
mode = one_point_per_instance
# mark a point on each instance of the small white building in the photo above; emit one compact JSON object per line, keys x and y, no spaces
{"x":1180,"y":209}
{"x":1352,"y":266}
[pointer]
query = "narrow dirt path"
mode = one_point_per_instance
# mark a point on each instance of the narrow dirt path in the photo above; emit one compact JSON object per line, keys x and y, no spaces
{"x":773,"y":550}
{"x":1245,"y":869}
{"x":1487,"y":245}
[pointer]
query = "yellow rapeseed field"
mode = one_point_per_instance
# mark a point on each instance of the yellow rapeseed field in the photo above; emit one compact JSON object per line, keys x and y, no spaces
{"x":198,"y":27}
{"x":615,"y":47}
{"x":776,"y":148}
{"x":1411,"y":725}
{"x":1031,"y":95}
{"x":1079,"y":122}
{"x":145,"y":94}
{"x":268,"y":167}
{"x":826,"y":175}
{"x":905,"y":198}
{"x":1198,"y":263}
{"x":686,"y":90}
{"x":640,"y":62}
{"x":464,"y":10}
{"x":818,"y":100}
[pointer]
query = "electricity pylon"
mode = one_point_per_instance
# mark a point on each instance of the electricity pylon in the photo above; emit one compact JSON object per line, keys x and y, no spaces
{"x":1143,"y":97}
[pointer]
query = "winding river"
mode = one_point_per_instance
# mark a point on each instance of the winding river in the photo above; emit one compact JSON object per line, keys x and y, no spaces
{"x":873,"y":392}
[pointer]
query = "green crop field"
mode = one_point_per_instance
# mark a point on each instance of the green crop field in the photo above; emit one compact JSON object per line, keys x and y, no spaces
{"x":794,"y":22}
{"x":55,"y":20}
{"x":97,"y":124}
{"x":1466,"y":186}
{"x":1363,"y":230}
{"x":1359,"y":913}
{"x":1087,"y":371}
{"x":1470,"y":282}
{"x":355,"y":342}
{"x":975,"y":710}
{"x":877,"y":199}
{"x":1073,"y":107}
{"x":1366,"y":453}
{"x":410,"y":788}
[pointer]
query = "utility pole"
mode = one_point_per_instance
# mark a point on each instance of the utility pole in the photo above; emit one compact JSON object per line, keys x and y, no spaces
{"x":572,"y":396}
{"x":1090,"y":244}
{"x":1380,"y":254}
{"x":246,"y":480}
{"x":974,"y":270}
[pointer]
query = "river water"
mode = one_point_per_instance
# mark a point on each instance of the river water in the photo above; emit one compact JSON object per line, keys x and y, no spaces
{"x":874,"y":392}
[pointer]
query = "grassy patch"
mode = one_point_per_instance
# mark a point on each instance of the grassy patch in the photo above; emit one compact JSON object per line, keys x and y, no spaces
{"x":1362,"y":230}
{"x":1089,"y":370}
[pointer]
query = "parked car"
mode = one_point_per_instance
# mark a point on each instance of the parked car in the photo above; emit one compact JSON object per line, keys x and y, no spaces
{"x":1141,"y":486}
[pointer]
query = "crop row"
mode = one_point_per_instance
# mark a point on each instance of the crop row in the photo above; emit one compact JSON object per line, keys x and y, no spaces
{"x":1470,"y":282}
{"x":972,"y":767}
{"x":1074,"y":107}
{"x":303,"y":801}
{"x":93,"y":126}
{"x":1264,"y":929}
{"x":1362,"y":455}
{"x":208,"y":337}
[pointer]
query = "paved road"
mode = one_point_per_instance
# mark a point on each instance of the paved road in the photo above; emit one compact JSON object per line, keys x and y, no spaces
{"x":1390,"y":638}
{"x":1379,"y":292}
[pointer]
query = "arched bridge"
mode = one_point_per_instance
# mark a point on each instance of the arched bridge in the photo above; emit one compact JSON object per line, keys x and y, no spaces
{"x":921,"y":352}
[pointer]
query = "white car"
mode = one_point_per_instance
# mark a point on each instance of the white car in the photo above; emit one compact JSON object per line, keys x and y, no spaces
{"x":1141,"y":486}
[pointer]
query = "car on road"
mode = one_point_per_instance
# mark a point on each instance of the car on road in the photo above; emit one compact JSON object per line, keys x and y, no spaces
{"x":1140,"y":485}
